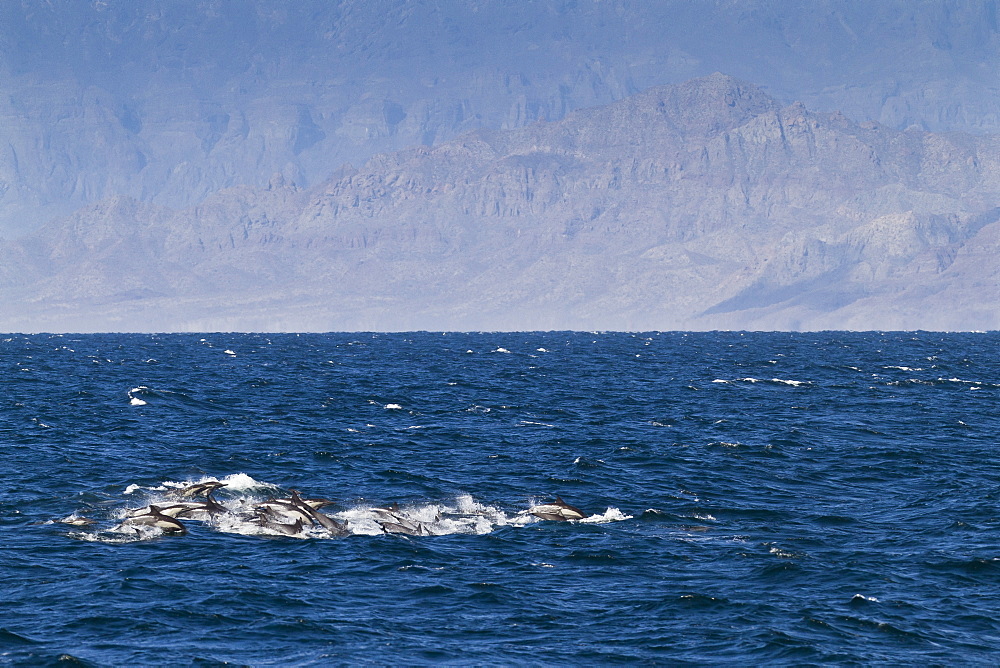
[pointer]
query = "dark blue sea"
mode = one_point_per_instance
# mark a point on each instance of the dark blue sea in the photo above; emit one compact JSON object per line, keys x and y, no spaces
{"x":750,"y":498}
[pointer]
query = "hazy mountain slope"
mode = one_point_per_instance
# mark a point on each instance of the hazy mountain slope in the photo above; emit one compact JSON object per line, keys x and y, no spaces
{"x":169,"y":102}
{"x":705,"y":204}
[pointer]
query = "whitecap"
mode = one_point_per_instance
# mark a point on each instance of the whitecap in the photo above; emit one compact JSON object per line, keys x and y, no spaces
{"x":610,"y":515}
{"x":393,"y":407}
{"x":778,"y":552}
{"x":134,"y":400}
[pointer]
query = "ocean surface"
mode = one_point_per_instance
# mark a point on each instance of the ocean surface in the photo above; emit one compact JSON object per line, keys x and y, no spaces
{"x":751,"y":498}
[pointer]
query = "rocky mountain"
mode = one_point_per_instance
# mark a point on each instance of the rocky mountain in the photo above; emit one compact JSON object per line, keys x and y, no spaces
{"x":706,"y":204}
{"x":170,"y":102}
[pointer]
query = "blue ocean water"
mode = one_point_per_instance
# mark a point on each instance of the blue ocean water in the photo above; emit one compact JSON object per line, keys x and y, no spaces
{"x":754,"y":497}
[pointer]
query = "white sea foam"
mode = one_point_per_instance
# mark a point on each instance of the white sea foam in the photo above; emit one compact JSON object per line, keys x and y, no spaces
{"x":134,"y":400}
{"x":239,"y":482}
{"x":862,"y":597}
{"x":784,"y":554}
{"x":393,"y":407}
{"x":793,"y":383}
{"x":779,"y":381}
{"x":609,"y":515}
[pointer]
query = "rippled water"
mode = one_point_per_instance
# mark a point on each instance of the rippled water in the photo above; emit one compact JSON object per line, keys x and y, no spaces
{"x":754,"y":497}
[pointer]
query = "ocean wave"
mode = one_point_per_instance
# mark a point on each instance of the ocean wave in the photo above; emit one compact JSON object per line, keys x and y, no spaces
{"x":772,"y":381}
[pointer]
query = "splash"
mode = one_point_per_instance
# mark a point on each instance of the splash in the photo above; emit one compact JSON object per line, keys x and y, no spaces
{"x":250,"y":507}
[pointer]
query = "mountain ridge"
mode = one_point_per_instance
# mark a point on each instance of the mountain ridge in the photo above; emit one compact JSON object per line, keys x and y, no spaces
{"x":709,"y":205}
{"x":169,"y":103}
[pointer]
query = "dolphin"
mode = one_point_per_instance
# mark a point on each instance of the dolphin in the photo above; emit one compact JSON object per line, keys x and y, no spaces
{"x":558,"y":511}
{"x":199,"y":489}
{"x":291,"y":502}
{"x":405,"y":527}
{"x":282,"y":510}
{"x":154,"y":518}
{"x":211,"y":505}
{"x":316,"y":504}
{"x":281,"y":527}
{"x":185,"y":509}
{"x":391,"y":521}
{"x":333,"y":526}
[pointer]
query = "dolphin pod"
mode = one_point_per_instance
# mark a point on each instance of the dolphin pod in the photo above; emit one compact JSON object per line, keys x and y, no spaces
{"x":296,"y":516}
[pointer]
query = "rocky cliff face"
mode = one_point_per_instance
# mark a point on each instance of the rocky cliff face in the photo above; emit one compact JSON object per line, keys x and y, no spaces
{"x":706,"y":204}
{"x":168,"y":103}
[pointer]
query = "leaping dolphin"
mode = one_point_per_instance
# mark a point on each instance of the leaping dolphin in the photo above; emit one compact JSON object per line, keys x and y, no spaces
{"x":154,"y":518}
{"x":282,"y":510}
{"x":185,"y":509}
{"x":199,"y":489}
{"x":391,"y":521}
{"x":333,"y":526}
{"x":558,"y":511}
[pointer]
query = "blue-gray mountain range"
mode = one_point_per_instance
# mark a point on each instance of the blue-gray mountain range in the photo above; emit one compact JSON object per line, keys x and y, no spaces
{"x":167,"y":165}
{"x":706,"y":204}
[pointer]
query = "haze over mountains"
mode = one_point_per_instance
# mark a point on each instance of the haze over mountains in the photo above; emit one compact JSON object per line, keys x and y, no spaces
{"x":518,"y":165}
